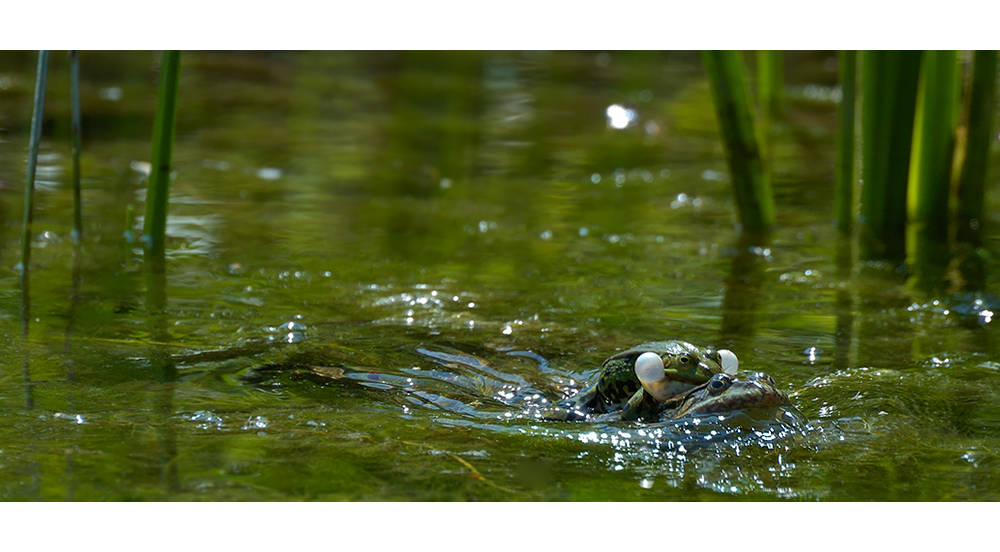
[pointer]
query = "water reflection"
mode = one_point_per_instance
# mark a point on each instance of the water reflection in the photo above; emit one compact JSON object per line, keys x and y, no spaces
{"x":740,"y":305}
{"x":844,"y":303}
{"x":430,"y":134}
{"x":465,"y":240}
{"x":163,"y":369}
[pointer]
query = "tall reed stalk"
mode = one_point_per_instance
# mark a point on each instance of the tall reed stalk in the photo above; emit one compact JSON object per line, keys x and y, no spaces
{"x":770,"y":84}
{"x":158,"y":190}
{"x":844,"y":173}
{"x":35,"y":139}
{"x":75,"y":116}
{"x":889,"y":93}
{"x":971,"y":184}
{"x":938,"y":102}
{"x":751,"y":184}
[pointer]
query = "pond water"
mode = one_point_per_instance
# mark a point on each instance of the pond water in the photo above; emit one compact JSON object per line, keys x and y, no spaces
{"x":378,"y":262}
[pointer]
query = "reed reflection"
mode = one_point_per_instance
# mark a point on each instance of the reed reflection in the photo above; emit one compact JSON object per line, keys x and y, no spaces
{"x":164,"y":369}
{"x":743,"y":288}
{"x":843,"y":304}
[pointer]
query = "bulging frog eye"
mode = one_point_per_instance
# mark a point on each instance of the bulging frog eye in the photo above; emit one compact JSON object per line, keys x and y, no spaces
{"x":685,"y":360}
{"x":719,"y":383}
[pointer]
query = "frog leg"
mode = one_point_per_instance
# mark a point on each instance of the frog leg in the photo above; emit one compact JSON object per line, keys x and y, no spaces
{"x":579,"y":406}
{"x":641,"y":406}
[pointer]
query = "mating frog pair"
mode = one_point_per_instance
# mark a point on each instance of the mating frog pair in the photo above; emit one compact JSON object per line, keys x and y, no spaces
{"x":669,"y":380}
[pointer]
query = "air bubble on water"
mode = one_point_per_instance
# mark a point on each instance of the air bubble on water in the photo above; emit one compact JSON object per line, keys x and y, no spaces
{"x":206,"y":419}
{"x":290,"y":332}
{"x":255,"y":422}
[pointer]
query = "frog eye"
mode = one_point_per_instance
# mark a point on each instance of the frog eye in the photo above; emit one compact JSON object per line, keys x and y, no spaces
{"x":728,"y":361}
{"x":719,"y":383}
{"x":685,"y":360}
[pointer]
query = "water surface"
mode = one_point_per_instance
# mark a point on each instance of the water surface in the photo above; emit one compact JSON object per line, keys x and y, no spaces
{"x":378,"y":262}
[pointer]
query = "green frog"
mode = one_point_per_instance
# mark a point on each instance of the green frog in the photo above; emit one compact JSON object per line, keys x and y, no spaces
{"x":721,"y":393}
{"x":649,"y":373}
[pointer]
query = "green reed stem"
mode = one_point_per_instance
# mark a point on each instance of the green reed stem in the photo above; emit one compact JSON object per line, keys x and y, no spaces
{"x":934,"y":144}
{"x":843,"y":206}
{"x":158,"y":190}
{"x":751,"y":184}
{"x":971,"y":184}
{"x":36,"y":137}
{"x":75,"y":116}
{"x":888,"y":99}
{"x":770,"y":83}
